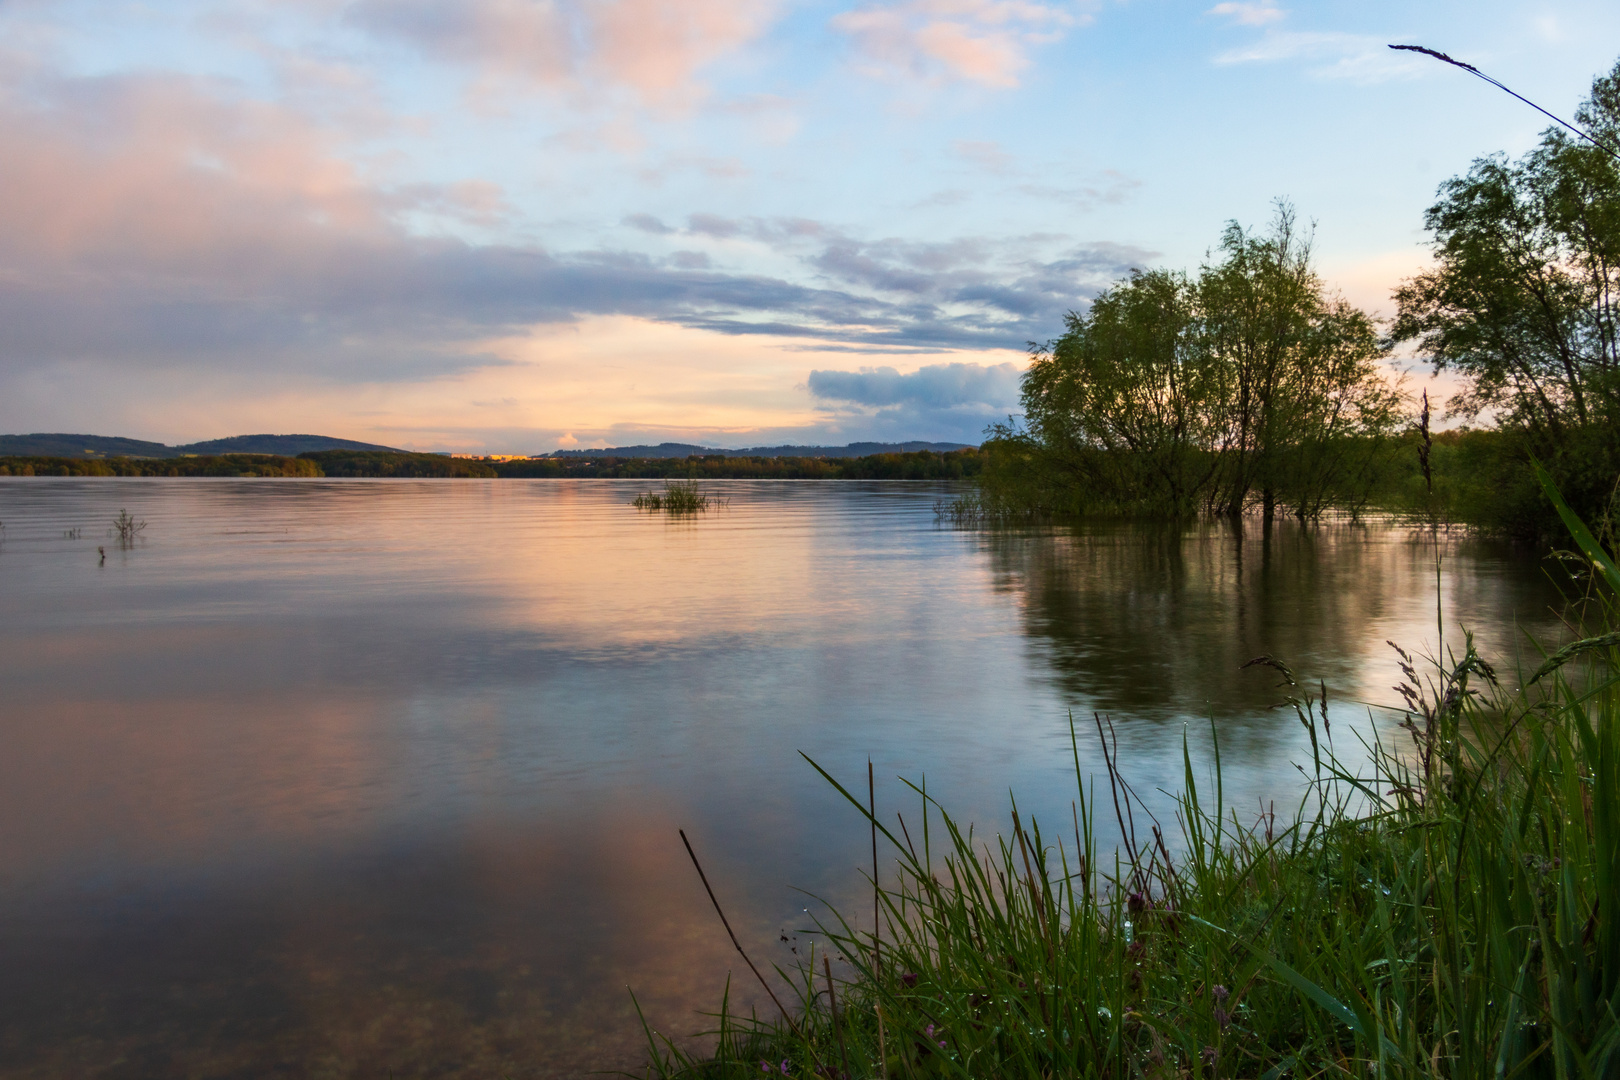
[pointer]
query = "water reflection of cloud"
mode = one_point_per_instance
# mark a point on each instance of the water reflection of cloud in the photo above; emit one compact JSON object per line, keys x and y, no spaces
{"x":507,"y":949}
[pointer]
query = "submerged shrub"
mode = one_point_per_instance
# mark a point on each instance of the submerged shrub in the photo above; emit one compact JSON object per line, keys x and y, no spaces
{"x":126,"y":528}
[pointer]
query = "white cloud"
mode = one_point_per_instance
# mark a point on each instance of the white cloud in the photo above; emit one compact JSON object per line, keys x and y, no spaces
{"x":1358,"y":57}
{"x":1248,"y":14}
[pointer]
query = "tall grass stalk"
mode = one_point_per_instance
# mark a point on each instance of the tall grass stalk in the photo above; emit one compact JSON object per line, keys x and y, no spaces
{"x":1446,"y":908}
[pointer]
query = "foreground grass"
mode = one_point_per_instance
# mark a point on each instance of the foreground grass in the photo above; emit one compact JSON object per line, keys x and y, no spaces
{"x":1448,"y":911}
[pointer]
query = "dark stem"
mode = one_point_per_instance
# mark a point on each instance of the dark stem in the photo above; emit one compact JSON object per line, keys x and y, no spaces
{"x":877,"y":926}
{"x":832,"y":1004}
{"x":727,"y":924}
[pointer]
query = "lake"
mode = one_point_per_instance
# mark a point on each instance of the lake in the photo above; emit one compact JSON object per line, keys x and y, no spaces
{"x":372,"y":778}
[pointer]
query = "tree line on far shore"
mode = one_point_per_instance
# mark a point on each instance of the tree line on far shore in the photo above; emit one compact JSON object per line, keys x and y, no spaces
{"x":919,"y":465}
{"x":210,"y":465}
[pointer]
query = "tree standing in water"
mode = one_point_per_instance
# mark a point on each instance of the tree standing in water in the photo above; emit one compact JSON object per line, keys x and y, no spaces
{"x":1170,"y":396}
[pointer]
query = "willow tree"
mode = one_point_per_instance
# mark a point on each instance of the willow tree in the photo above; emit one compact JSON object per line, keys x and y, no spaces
{"x":1247,"y":385}
{"x":1524,"y":298}
{"x":1340,"y":410}
{"x":1257,"y":304}
{"x":1115,"y":410}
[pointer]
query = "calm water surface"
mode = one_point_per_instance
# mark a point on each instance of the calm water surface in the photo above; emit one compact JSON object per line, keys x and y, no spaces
{"x":363,"y":778}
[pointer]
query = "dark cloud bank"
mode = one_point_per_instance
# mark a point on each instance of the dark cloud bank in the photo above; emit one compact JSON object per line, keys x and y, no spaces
{"x":957,"y":397}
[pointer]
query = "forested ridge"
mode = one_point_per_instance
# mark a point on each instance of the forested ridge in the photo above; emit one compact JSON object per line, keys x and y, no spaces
{"x":208,"y":465}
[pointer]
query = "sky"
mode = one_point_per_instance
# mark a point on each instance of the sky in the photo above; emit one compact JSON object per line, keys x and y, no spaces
{"x":510,"y":226}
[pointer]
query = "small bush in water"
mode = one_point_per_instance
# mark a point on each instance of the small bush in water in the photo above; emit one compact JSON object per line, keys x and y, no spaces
{"x":679,"y":497}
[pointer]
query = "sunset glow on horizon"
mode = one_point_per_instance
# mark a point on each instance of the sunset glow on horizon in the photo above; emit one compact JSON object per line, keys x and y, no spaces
{"x":509,"y":226}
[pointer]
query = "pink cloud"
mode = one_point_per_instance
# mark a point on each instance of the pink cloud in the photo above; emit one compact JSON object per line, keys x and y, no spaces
{"x":980,"y":41}
{"x":653,"y":48}
{"x":657,"y":47}
{"x":156,"y":171}
{"x":157,"y":221}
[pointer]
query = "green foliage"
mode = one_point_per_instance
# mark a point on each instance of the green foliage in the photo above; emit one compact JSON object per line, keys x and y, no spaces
{"x":1443,"y":912}
{"x":921,"y":465}
{"x":1483,"y":478}
{"x":1524,"y":301}
{"x":374,"y":463}
{"x":1118,"y":400}
{"x":1173,"y":395}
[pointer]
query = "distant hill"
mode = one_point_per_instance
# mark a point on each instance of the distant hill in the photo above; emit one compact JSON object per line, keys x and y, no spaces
{"x":80,"y":446}
{"x":285,"y":445}
{"x":681,"y":450}
{"x":103,"y":446}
